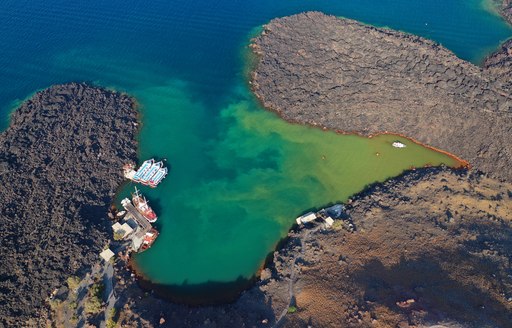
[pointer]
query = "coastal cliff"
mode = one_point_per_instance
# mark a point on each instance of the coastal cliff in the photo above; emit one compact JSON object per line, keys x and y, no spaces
{"x":343,"y":75}
{"x":60,"y":165}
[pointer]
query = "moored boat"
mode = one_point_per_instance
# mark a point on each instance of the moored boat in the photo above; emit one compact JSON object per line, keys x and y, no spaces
{"x":158,"y":177}
{"x":149,"y":239}
{"x":151,"y":172}
{"x":142,"y":206}
{"x":398,"y":144}
{"x":144,"y":169}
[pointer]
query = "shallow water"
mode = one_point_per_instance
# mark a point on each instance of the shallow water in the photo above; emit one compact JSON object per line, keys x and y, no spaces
{"x":239,"y":175}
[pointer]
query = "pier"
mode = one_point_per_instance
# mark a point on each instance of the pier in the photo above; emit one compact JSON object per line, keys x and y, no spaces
{"x":144,"y":225}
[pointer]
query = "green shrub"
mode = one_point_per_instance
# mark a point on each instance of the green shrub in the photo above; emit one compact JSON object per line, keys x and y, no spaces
{"x":94,"y":301}
{"x":118,"y":235}
{"x":73,"y":305}
{"x":292,"y":309}
{"x":110,"y":323}
{"x":92,"y":305}
{"x":73,"y":282}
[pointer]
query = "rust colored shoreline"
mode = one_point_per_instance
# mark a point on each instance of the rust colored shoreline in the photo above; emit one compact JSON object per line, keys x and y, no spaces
{"x":463,"y":164}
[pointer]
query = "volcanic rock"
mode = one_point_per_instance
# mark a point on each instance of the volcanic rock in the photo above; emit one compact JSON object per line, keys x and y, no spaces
{"x":61,"y":162}
{"x":344,"y":75}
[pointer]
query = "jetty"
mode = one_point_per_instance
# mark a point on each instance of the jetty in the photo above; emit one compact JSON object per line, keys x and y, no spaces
{"x":144,"y":234}
{"x":132,"y":212}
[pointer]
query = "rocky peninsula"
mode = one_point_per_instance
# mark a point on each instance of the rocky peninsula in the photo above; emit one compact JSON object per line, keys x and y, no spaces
{"x":60,"y":165}
{"x":343,"y":75}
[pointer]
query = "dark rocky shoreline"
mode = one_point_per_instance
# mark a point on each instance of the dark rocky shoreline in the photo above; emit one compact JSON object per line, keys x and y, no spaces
{"x":60,"y":165}
{"x":431,"y":247}
{"x":341,"y":74}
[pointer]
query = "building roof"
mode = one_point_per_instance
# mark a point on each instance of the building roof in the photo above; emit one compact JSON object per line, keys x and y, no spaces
{"x":107,"y":254}
{"x":122,"y":228}
{"x":329,"y":221}
{"x":116,"y":227}
{"x":127,"y":229}
{"x":308,"y":217}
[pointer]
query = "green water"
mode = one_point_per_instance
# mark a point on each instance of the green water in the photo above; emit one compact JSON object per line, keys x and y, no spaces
{"x":229,"y":198}
{"x":239,"y":175}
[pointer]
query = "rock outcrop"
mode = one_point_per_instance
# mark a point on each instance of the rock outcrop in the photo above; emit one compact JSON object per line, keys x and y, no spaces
{"x":506,"y":10}
{"x":431,"y":247}
{"x":344,"y":75}
{"x":60,"y":164}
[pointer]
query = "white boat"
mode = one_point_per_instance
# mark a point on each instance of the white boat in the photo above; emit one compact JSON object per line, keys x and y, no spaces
{"x":152,"y":171}
{"x":143,"y":170}
{"x":158,"y":177}
{"x":149,"y":173}
{"x":398,"y":144}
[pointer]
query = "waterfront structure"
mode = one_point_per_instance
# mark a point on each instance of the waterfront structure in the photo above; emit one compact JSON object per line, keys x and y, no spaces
{"x":145,"y":235}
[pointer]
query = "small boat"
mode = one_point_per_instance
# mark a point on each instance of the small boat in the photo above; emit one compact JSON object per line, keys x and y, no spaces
{"x":158,"y":177}
{"x":398,"y":144}
{"x":152,"y":171}
{"x":149,"y":239}
{"x":120,"y":214}
{"x":143,"y":170}
{"x":142,"y":206}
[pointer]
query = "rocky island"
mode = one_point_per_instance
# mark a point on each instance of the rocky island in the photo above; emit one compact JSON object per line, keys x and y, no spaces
{"x":343,"y":75}
{"x":60,"y":165}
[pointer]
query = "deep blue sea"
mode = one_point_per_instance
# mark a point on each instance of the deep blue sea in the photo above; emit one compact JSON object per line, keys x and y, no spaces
{"x":184,"y":62}
{"x":130,"y":43}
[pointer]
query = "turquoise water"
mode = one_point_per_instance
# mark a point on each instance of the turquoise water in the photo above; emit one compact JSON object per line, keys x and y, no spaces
{"x":239,"y":175}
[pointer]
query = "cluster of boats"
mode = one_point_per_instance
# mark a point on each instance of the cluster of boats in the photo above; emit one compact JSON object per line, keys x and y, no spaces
{"x":150,"y":173}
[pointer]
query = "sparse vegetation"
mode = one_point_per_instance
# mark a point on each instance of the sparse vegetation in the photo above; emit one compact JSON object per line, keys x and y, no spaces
{"x":337,"y":225}
{"x":118,"y":235}
{"x":111,"y":323}
{"x":73,"y":283}
{"x":55,"y":304}
{"x":94,"y":302}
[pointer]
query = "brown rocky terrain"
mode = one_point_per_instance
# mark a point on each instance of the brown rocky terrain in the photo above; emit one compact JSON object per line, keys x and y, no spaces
{"x":60,"y":165}
{"x":499,"y":64}
{"x":344,"y":75}
{"x":506,"y":10}
{"x":430,"y":248}
{"x":433,"y":247}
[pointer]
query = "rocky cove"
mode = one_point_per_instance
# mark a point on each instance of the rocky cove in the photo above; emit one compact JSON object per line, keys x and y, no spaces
{"x":427,"y":233}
